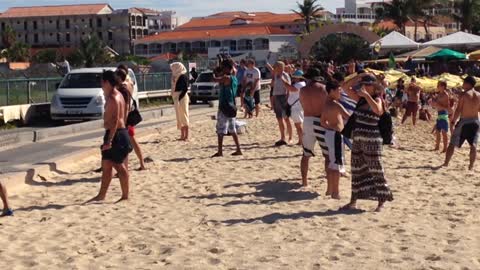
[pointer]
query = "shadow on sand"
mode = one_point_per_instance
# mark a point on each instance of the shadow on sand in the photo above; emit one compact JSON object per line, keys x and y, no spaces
{"x":272,"y":218}
{"x":267,"y":192}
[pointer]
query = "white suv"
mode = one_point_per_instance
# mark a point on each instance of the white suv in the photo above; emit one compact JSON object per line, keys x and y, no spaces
{"x":204,"y":88}
{"x":80,"y":96}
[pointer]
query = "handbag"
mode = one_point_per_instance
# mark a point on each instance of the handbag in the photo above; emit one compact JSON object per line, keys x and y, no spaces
{"x":134,"y":117}
{"x":289,"y":107}
{"x":350,"y":125}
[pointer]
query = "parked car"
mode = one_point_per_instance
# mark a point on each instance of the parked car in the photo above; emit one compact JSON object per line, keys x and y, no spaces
{"x":80,"y":96}
{"x":204,"y":88}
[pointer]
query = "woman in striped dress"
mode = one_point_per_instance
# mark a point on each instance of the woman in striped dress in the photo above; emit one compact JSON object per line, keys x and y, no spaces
{"x":368,"y":178}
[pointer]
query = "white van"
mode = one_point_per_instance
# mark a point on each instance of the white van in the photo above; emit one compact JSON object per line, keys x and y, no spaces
{"x":80,"y":96}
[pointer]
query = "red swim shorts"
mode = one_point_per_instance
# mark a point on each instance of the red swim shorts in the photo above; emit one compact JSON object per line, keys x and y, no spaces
{"x":131,"y":131}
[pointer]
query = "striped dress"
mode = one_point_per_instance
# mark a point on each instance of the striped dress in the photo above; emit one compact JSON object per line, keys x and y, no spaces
{"x":368,"y":178}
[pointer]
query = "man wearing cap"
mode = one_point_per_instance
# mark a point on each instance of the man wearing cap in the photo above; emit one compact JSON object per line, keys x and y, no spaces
{"x":468,"y":128}
{"x":312,"y":99}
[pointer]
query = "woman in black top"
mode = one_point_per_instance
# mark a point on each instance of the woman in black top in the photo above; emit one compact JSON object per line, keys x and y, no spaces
{"x":180,"y":98}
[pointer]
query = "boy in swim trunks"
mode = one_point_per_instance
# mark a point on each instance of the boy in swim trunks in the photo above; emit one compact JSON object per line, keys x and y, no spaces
{"x":441,"y":103}
{"x":468,"y":128}
{"x":331,"y":140}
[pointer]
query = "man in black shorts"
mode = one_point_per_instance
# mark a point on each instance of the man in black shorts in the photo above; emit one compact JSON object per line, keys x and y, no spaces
{"x":116,"y":142}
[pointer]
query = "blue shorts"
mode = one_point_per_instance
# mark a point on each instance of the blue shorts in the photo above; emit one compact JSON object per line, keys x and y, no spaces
{"x":442,"y":121}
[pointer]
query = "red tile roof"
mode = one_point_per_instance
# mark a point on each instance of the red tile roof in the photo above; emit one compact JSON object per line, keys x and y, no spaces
{"x":165,"y":57}
{"x":226,"y":18}
{"x":215,"y":33}
{"x":45,"y":11}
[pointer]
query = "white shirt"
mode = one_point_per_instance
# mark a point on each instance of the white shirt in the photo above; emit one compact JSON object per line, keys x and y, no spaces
{"x":251,"y":75}
{"x":294,"y":97}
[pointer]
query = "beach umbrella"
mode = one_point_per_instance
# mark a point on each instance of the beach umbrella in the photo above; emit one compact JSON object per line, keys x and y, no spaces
{"x":447,"y":54}
{"x":474,"y":55}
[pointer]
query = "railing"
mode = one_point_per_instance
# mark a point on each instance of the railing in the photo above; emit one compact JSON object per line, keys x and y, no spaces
{"x":41,"y":90}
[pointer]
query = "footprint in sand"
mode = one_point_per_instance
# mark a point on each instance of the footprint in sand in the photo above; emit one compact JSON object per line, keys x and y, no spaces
{"x":433,"y":258}
{"x":214,"y":261}
{"x":216,"y":251}
{"x":449,"y":251}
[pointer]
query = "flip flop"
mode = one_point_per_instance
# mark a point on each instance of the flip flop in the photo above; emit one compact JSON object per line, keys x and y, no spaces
{"x":9,"y":213}
{"x":280,"y":143}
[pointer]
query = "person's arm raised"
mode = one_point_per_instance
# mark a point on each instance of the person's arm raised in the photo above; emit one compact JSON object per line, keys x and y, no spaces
{"x":375,"y":104}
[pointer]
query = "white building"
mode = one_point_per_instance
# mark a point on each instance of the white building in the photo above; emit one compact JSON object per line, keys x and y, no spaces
{"x":359,"y":11}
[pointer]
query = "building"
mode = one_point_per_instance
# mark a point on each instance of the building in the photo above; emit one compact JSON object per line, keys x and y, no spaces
{"x":435,"y":30}
{"x":359,"y":11}
{"x":257,"y":34}
{"x":66,"y":25}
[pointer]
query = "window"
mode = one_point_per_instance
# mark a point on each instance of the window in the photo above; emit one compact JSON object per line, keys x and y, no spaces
{"x":82,"y":80}
{"x":110,"y":35}
{"x":26,"y":38}
{"x":67,"y":24}
{"x":109,"y":19}
{"x":100,"y":35}
{"x":67,"y":37}
{"x":3,"y":26}
{"x":50,"y":22}
{"x":35,"y":38}
{"x":439,"y":35}
{"x":58,"y":37}
{"x":58,"y":24}
{"x":91,"y":22}
{"x":83,"y":20}
{"x":51,"y":34}
{"x":25,"y":25}
{"x":35,"y":26}
{"x":99,"y":22}
{"x":18,"y":22}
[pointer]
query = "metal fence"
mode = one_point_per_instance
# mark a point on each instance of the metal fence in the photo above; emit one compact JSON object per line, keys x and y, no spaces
{"x":41,"y":90}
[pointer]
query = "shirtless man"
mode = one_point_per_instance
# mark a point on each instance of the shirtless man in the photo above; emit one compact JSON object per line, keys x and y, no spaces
{"x":331,"y":140}
{"x":468,"y":128}
{"x":441,"y":103}
{"x":413,"y":92}
{"x":116,"y":142}
{"x":312,"y":98}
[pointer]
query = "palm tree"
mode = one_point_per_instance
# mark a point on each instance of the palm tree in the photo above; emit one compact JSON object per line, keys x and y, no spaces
{"x":8,"y":36}
{"x":91,"y":52}
{"x":309,"y":12}
{"x":17,"y":52}
{"x":468,"y":12}
{"x":398,"y":11}
{"x":417,"y":12}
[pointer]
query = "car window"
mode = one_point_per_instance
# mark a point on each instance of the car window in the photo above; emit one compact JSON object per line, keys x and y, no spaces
{"x":205,"y":78}
{"x":82,"y":80}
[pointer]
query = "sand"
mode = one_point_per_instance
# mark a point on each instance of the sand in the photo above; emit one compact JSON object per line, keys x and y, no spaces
{"x":189,"y":211}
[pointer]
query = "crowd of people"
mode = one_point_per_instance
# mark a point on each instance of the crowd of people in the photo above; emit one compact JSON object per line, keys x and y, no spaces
{"x":329,"y":105}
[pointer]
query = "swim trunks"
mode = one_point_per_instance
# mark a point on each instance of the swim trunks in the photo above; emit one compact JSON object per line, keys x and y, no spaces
{"x":333,"y":148}
{"x":280,"y":106}
{"x":311,"y":133}
{"x":442,"y":121}
{"x":467,"y":129}
{"x":225,"y":125}
{"x":121,"y":146}
{"x":412,"y":108}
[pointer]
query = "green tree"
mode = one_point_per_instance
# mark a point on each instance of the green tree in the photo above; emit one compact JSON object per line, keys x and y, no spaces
{"x":9,"y":37}
{"x":46,"y":56}
{"x":17,"y":52}
{"x":139,"y":60}
{"x":416,"y":13}
{"x":90,"y":53}
{"x":309,"y":12}
{"x":398,"y":11}
{"x":341,"y":48}
{"x":468,"y":13}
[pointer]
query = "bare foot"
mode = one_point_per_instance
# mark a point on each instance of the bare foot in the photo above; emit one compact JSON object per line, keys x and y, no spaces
{"x":470,"y":168}
{"x":141,"y":168}
{"x":350,"y":206}
{"x":238,"y":153}
{"x":444,"y":150}
{"x":290,"y":141}
{"x":336,"y":196}
{"x":380,"y":206}
{"x":304,"y":183}
{"x":217,"y":155}
{"x":95,"y":199}
{"x":328,"y":194}
{"x":300,"y":143}
{"x":122,"y":199}
{"x":436,"y":149}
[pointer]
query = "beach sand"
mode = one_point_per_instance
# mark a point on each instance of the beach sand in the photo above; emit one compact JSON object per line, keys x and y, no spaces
{"x":189,"y":211}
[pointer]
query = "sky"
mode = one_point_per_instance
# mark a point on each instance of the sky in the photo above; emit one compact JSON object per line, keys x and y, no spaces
{"x":188,"y":8}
